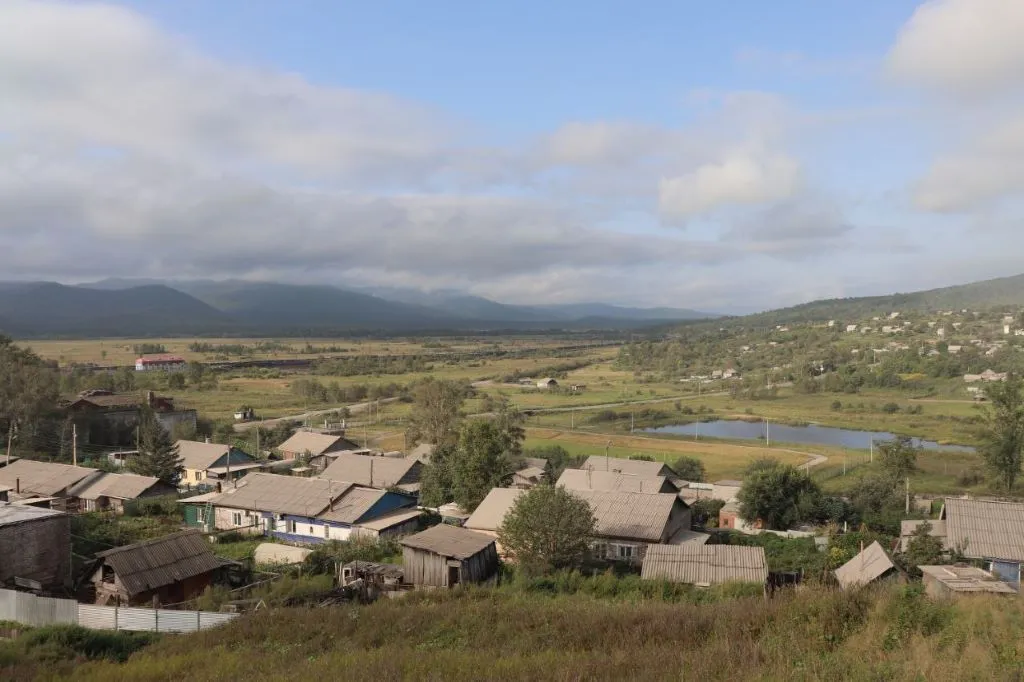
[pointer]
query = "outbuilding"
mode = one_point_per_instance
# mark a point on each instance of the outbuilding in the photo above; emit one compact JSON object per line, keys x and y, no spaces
{"x":948,"y":582}
{"x":445,"y":556}
{"x":35,"y":547}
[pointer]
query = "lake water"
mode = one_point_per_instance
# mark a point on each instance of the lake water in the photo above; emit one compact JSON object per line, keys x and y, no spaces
{"x":782,"y":433}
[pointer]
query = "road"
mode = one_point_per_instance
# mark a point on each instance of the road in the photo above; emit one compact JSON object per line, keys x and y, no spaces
{"x":353,"y":409}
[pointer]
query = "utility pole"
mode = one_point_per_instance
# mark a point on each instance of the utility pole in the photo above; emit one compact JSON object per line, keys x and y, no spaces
{"x":10,"y":439}
{"x":908,"y":496}
{"x":767,"y":433}
{"x":632,"y":420}
{"x":872,"y":451}
{"x":74,"y":444}
{"x":607,"y":464}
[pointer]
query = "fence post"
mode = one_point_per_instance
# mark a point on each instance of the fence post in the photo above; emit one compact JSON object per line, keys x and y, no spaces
{"x":115,"y":618}
{"x":199,"y":620}
{"x":156,"y":619}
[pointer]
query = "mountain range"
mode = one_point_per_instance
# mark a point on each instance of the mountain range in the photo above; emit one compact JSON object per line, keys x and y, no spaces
{"x":147,"y":307}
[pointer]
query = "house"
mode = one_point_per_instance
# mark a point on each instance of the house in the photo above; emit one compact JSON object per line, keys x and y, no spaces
{"x":626,"y":522}
{"x":705,"y":565}
{"x":162,"y":362}
{"x":403,"y":473}
{"x":946,"y":582}
{"x":314,"y":445}
{"x":207,"y":463}
{"x":632,"y":467}
{"x":532,"y":473}
{"x":454,"y":514}
{"x":609,"y":481}
{"x":547,"y":383}
{"x":393,"y":525}
{"x":36,"y":547}
{"x":108,"y":419}
{"x":446,"y":556}
{"x":868,"y":566}
{"x":293,"y":509}
{"x":851,"y":328}
{"x":992,"y":532}
{"x":166,"y":570}
{"x":108,"y":491}
{"x":27,"y":477}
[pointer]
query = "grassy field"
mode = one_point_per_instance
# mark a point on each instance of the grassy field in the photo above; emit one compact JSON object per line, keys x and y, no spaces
{"x":887,"y":633}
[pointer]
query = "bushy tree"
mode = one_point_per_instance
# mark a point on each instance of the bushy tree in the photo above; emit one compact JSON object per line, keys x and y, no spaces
{"x":435,"y":412}
{"x":705,"y":512}
{"x":158,"y":454}
{"x":28,"y":391}
{"x":547,"y":528}
{"x":558,"y":459}
{"x":689,"y":469}
{"x":923,"y":549}
{"x":898,"y":456}
{"x":1002,"y":432}
{"x":780,"y":495}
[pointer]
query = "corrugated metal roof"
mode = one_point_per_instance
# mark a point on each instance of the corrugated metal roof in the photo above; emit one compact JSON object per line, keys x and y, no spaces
{"x":705,"y":564}
{"x":530,"y":474}
{"x":449,"y":541}
{"x":374,"y":472}
{"x":581,"y":479}
{"x":491,"y":512}
{"x":313,"y":443}
{"x":389,"y":520}
{"x":684,"y":536}
{"x":985,"y":530}
{"x":353,"y":505}
{"x":200,"y":456}
{"x":869,"y":565}
{"x":538,"y":462}
{"x":11,"y":514}
{"x":967,"y":579}
{"x":43,"y":478}
{"x":118,"y":486}
{"x":637,"y":516}
{"x":155,"y":563}
{"x":282,"y":494}
{"x":636,"y":467}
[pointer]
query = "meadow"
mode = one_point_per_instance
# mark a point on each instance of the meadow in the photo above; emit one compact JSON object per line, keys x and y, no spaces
{"x":889,"y":632}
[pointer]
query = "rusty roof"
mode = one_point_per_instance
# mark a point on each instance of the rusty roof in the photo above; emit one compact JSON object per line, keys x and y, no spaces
{"x":43,"y":478}
{"x":869,"y":565}
{"x":371,"y":471}
{"x":164,"y":561}
{"x":449,"y":541}
{"x":984,"y":529}
{"x":704,"y":565}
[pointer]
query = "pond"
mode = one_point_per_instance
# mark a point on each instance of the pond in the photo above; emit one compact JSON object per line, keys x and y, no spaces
{"x":782,"y":433}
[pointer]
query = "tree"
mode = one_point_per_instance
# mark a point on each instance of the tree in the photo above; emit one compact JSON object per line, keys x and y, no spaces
{"x":558,"y":459}
{"x":779,"y":495}
{"x":923,"y":549}
{"x":705,"y":512}
{"x":547,"y":528}
{"x":158,"y":454}
{"x":689,"y":469}
{"x":1002,"y":431}
{"x":481,"y":463}
{"x":176,"y":381}
{"x":879,"y":502}
{"x":435,"y":412}
{"x":509,"y":422}
{"x":898,"y":456}
{"x":28,"y":391}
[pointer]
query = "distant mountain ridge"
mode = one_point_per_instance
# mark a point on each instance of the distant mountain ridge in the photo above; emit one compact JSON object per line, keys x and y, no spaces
{"x":148,"y":307}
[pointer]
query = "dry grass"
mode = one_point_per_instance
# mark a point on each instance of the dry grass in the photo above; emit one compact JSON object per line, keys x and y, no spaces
{"x":885,"y":634}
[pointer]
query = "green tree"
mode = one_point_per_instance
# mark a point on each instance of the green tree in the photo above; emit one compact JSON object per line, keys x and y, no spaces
{"x":547,"y":528}
{"x":158,"y":454}
{"x":28,"y":391}
{"x":176,"y":381}
{"x":898,"y":456}
{"x":705,"y":512}
{"x":435,"y":412}
{"x":923,"y":549}
{"x":689,"y":469}
{"x":1002,"y":431}
{"x":878,"y":501}
{"x":509,"y":422}
{"x":779,"y":495}
{"x":481,"y":463}
{"x":558,"y":459}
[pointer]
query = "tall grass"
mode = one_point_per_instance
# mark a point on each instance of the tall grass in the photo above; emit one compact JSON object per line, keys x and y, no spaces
{"x":886,"y":633}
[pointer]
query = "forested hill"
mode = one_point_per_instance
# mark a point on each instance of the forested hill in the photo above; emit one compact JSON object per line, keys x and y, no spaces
{"x":1005,"y":291}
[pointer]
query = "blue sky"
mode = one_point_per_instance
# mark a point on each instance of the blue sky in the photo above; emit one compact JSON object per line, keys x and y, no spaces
{"x":728,"y":156}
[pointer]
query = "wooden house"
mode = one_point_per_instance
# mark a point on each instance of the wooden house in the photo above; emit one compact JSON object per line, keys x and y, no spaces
{"x":445,"y":556}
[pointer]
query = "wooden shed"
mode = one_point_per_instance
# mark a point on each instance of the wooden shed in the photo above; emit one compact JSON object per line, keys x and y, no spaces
{"x":444,"y":556}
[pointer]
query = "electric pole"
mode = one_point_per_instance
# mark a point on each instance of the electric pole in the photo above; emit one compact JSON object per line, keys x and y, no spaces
{"x":10,"y":439}
{"x":74,"y":444}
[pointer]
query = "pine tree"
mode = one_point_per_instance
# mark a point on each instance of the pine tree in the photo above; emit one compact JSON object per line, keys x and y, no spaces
{"x":158,"y":454}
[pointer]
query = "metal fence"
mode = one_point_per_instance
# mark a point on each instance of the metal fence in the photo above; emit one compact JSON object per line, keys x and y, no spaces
{"x":29,"y":609}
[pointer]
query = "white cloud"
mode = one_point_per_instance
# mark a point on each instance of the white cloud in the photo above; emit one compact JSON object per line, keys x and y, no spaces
{"x":962,"y":47}
{"x":743,"y":177}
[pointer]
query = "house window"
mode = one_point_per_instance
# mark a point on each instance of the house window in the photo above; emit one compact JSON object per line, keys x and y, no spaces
{"x":624,"y":551}
{"x":236,"y":518}
{"x":289,"y":526}
{"x":201,"y":515}
{"x":108,"y":575}
{"x":198,"y":475}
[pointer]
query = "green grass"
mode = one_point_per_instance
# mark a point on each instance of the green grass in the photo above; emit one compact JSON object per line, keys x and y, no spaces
{"x":888,"y":633}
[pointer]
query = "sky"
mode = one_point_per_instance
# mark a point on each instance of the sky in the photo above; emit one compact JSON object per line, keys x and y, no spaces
{"x":729,"y":157}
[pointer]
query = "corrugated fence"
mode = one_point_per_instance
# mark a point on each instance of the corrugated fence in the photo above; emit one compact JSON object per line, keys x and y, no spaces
{"x":29,"y":609}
